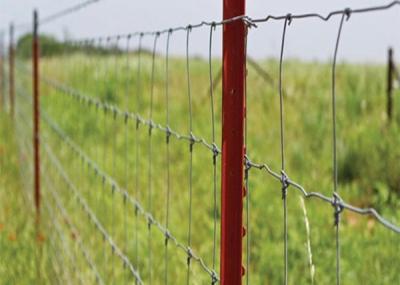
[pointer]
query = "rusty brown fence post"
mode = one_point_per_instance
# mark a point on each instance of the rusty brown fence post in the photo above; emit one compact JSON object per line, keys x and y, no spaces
{"x":36,"y":114}
{"x":233,"y":118}
{"x":389,"y":90}
{"x":2,"y":74}
{"x":11,"y":70}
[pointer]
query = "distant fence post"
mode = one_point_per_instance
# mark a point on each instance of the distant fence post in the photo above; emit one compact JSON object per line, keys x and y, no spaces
{"x":389,"y":91}
{"x":11,"y":70}
{"x":233,"y":116}
{"x":36,"y":119}
{"x":2,"y":99}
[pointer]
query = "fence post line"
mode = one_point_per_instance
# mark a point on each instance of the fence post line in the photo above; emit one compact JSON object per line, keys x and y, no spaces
{"x":36,"y":119}
{"x":389,"y":91}
{"x":11,"y":69}
{"x":233,"y":116}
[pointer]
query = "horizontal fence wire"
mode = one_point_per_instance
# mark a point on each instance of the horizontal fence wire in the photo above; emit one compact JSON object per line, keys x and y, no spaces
{"x":57,"y":201}
{"x":107,"y":178}
{"x":67,"y":11}
{"x":116,"y":250}
{"x":139,"y":209}
{"x":138,"y":119}
{"x":106,"y":175}
{"x":335,"y":201}
{"x":57,"y":15}
{"x":249,"y":21}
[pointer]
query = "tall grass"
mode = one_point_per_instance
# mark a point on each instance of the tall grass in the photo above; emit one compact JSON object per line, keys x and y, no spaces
{"x":368,"y":170}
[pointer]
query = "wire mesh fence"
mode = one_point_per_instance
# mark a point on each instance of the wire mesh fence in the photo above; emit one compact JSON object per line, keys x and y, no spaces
{"x":131,"y":158}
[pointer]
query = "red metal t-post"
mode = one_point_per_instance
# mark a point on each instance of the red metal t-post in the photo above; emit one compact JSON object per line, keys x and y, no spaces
{"x":233,"y":116}
{"x":11,"y":54}
{"x":36,"y":119}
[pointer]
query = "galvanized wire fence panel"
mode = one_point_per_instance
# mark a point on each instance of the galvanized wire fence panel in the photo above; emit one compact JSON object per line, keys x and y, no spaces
{"x":130,"y":146}
{"x":106,"y":161}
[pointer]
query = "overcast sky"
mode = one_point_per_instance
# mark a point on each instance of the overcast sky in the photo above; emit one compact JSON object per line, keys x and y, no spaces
{"x":365,"y":37}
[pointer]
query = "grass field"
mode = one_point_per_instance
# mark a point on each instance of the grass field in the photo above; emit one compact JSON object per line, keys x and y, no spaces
{"x":368,"y":163}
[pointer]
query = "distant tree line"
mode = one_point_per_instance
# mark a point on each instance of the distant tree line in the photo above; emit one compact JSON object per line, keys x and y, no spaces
{"x":51,"y":46}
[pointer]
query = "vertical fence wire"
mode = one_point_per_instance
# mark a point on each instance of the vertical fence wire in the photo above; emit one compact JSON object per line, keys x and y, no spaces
{"x":214,"y":156}
{"x":137,"y":151}
{"x":168,"y":178}
{"x":150,"y":156}
{"x":282,"y":141}
{"x":98,"y":206}
{"x":115,"y":50}
{"x":126,"y":154}
{"x":105,"y":161}
{"x":345,"y":15}
{"x":188,"y":30}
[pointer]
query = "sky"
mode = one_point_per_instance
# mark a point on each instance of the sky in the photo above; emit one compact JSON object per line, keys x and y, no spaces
{"x":365,"y":37}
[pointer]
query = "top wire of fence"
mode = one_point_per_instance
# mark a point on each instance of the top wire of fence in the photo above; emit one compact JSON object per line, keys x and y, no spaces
{"x":57,"y":15}
{"x":248,"y":20}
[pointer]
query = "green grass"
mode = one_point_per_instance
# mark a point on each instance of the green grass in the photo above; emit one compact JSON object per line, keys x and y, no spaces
{"x":17,"y":231}
{"x":368,"y":156}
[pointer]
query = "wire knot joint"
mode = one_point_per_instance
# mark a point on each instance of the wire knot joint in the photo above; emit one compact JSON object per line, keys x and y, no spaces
{"x":192,"y":140}
{"x":151,"y":126}
{"x":285,"y":184}
{"x":338,"y":206}
{"x":347,"y":13}
{"x":126,"y":116}
{"x":215,"y":150}
{"x":150,"y":220}
{"x":167,"y":235}
{"x":190,"y":255}
{"x":168,"y":134}
{"x":289,"y":18}
{"x":214,"y":278}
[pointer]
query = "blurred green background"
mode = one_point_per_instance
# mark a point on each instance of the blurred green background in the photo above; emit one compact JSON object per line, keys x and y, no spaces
{"x":368,"y":163}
